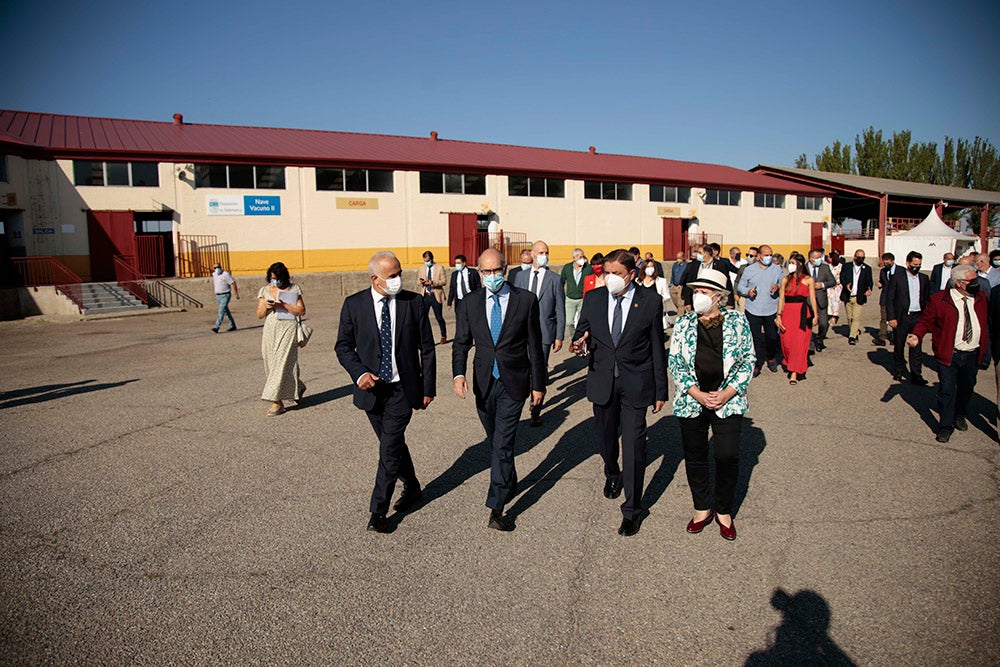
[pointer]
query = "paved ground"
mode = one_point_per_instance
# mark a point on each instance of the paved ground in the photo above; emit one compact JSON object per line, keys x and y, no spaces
{"x":151,"y":514}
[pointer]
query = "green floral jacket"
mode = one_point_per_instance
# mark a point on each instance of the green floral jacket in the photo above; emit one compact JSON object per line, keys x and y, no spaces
{"x":738,"y":361}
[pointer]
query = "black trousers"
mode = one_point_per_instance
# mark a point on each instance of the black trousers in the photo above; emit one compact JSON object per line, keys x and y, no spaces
{"x":499,"y":414}
{"x":904,"y":326}
{"x":389,"y":418}
{"x":430,"y":301}
{"x":957,"y":380}
{"x":765,"y":338}
{"x":608,"y":419}
{"x":822,"y":324}
{"x":694,"y":435}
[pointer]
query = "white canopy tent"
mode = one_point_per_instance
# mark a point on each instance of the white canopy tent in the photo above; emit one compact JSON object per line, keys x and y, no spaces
{"x":931,"y":238}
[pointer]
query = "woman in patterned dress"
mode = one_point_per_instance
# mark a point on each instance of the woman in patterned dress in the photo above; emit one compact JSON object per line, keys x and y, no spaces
{"x":711,"y":362}
{"x":833,"y":293}
{"x":279,"y":345}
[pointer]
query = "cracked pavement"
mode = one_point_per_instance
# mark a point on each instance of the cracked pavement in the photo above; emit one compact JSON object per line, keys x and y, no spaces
{"x":151,"y":514}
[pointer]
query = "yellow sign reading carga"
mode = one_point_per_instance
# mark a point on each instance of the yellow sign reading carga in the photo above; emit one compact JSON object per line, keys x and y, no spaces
{"x":669,"y":211}
{"x":357,"y":203}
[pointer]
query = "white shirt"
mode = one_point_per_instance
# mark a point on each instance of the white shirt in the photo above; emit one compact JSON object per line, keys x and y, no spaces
{"x":541,"y":278}
{"x":855,"y":274}
{"x":461,"y":281}
{"x":626,"y":306}
{"x":223,"y":282}
{"x":961,"y":345}
{"x":913,"y":281}
{"x":945,"y":276}
{"x":377,"y":300}
{"x":504,"y":294}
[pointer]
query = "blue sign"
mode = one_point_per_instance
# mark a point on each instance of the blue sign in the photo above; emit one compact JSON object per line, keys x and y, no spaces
{"x":44,"y":230}
{"x":257,"y":205}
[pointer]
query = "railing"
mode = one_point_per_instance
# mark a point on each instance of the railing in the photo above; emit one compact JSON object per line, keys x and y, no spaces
{"x":510,"y":244}
{"x":167,"y":296}
{"x":994,"y":231}
{"x":199,"y":253}
{"x":47,"y":270}
{"x":858,"y":234}
{"x":149,"y":255}
{"x":701,"y":238}
{"x":130,"y":279}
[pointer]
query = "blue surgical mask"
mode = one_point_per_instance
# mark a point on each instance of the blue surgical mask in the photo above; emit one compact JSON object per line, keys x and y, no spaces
{"x":493,"y":282}
{"x":218,"y":271}
{"x":542,"y":260}
{"x":996,"y":262}
{"x":818,"y":261}
{"x":766,"y":260}
{"x":700,"y":257}
{"x":274,"y":282}
{"x":949,"y":262}
{"x":428,"y":264}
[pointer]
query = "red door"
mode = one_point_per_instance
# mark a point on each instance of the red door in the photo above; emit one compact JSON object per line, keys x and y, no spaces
{"x":675,"y":238}
{"x":816,"y":235}
{"x":837,"y":243}
{"x":110,"y":233}
{"x":462,"y":236}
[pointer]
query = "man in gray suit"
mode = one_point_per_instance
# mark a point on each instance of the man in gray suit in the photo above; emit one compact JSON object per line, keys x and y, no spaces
{"x":547,"y":286}
{"x":823,"y":275}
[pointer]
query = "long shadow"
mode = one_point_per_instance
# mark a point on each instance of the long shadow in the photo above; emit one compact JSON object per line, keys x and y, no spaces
{"x":312,"y":400}
{"x":663,"y":439}
{"x":884,"y":358}
{"x":41,"y":389}
{"x":981,"y":410}
{"x":69,"y":390}
{"x":802,"y":637}
{"x":921,"y":399}
{"x":752,"y":444}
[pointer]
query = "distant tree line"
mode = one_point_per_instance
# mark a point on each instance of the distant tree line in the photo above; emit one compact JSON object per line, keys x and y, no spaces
{"x":960,"y":162}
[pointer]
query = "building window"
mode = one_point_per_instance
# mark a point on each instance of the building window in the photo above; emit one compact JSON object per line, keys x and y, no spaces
{"x":607,"y":190}
{"x":3,"y":169}
{"x":722,"y":197}
{"x":535,"y":186}
{"x":96,"y":172}
{"x":436,"y":182}
{"x":669,"y":193}
{"x":353,"y":180}
{"x":809,"y":203}
{"x":768,"y":200}
{"x":243,"y":176}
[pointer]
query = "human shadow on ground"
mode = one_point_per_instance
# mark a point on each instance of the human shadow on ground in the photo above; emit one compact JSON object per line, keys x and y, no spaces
{"x":884,"y":358}
{"x":921,"y":399}
{"x":312,"y":400}
{"x":44,"y":393}
{"x":802,"y":637}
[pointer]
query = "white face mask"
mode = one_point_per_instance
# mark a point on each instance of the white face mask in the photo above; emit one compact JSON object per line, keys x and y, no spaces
{"x":542,"y":260}
{"x":792,"y":267}
{"x":614,"y":283}
{"x":650,"y":270}
{"x":581,"y":261}
{"x":393,"y":285}
{"x":702,"y":303}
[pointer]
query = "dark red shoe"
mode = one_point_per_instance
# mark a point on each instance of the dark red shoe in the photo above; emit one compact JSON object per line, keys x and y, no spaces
{"x":727,"y":533}
{"x":695,"y":527}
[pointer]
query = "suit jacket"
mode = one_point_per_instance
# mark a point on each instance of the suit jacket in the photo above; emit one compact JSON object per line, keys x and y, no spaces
{"x":824,"y":281}
{"x":640,"y":355}
{"x":994,"y":322}
{"x":512,"y":274}
{"x":551,"y":303}
{"x":359,"y":346}
{"x":518,"y":351}
{"x":897,"y":299}
{"x":936,"y":276}
{"x":864,"y":282}
{"x":691,"y":273}
{"x":438,"y":279}
{"x":940,"y":319}
{"x":474,"y":284}
{"x":884,"y":279}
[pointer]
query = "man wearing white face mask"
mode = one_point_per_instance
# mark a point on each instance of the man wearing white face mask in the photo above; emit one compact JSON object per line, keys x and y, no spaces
{"x":386,"y":346}
{"x":573,"y":274}
{"x":225,"y":287}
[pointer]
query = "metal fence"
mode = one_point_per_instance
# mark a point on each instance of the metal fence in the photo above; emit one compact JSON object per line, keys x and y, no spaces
{"x":199,"y":253}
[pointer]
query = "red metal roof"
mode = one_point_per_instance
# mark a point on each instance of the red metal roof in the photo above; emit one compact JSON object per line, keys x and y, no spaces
{"x":53,"y":135}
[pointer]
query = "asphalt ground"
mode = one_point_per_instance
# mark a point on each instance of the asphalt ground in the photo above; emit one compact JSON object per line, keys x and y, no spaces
{"x":152,"y":514}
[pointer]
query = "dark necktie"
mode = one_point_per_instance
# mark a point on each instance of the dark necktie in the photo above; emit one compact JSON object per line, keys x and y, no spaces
{"x":465,"y":284}
{"x":534,"y":282}
{"x":967,"y":331}
{"x":496,"y":323}
{"x":385,"y":336}
{"x":429,"y":289}
{"x":616,"y":326}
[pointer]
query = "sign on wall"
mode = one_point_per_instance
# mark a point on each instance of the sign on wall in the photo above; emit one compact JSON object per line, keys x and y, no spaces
{"x":244,"y":205}
{"x":357,"y":203}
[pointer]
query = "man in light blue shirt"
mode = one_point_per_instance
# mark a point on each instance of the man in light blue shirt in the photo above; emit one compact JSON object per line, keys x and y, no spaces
{"x":760,"y":285}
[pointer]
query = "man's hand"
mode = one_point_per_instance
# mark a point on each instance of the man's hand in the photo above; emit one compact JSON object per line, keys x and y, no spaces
{"x":579,"y":346}
{"x":868,"y":293}
{"x":367,"y":381}
{"x":449,"y":307}
{"x":752,"y":294}
{"x":912,"y":340}
{"x":537,"y":396}
{"x":893,"y":323}
{"x":461,"y":387}
{"x":556,"y":345}
{"x":658,"y":405}
{"x":775,"y":288}
{"x":427,"y":401}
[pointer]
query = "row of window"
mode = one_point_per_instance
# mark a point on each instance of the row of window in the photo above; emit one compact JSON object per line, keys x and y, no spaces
{"x":268,"y":177}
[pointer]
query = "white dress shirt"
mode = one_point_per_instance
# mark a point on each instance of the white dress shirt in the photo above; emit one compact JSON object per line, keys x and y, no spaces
{"x":377,"y":299}
{"x":960,"y":345}
{"x":628,"y":294}
{"x":541,"y":278}
{"x":913,"y":281}
{"x":461,"y":280}
{"x":504,"y":294}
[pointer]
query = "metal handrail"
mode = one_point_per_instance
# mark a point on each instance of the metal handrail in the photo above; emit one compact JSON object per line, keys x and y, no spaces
{"x":47,"y":270}
{"x":166,"y":295}
{"x":130,"y":279}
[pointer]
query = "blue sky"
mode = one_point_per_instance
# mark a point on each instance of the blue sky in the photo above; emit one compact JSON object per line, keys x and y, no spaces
{"x":733,"y":83}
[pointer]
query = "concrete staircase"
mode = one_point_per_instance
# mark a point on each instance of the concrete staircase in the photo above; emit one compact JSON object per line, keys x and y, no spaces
{"x":101,"y":298}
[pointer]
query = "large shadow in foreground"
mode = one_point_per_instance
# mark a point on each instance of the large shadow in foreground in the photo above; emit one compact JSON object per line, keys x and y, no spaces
{"x":802,"y":638}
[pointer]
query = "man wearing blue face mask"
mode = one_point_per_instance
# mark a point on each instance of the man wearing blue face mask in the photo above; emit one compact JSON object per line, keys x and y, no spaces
{"x":432,"y":280}
{"x":760,"y":286}
{"x":391,"y":360}
{"x":225,"y":287}
{"x":823,"y":276}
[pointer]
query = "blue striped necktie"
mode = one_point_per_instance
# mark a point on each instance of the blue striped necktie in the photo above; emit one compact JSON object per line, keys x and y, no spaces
{"x":385,"y":336}
{"x":496,"y":322}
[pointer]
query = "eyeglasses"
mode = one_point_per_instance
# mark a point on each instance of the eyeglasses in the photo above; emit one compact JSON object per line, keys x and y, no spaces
{"x":492,"y":272}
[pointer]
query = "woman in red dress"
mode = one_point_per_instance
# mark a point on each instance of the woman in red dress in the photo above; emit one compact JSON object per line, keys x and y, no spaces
{"x":796,"y":317}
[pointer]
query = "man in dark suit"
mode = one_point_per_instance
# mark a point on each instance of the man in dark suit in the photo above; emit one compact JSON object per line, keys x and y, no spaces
{"x":463,"y":281}
{"x":385,"y":344}
{"x":857,"y":283}
{"x":941,"y":273}
{"x":621,"y":329}
{"x":824,"y":279}
{"x":705,"y":258}
{"x":994,"y":327}
{"x":906,"y":297}
{"x":525,"y":265}
{"x":888,"y":272}
{"x":502,"y":322}
{"x":548,"y":288}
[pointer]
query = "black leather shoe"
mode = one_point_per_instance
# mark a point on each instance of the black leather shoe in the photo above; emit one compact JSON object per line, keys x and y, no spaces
{"x":378,"y":523}
{"x":772,"y":366}
{"x":629,"y":527}
{"x":498,"y":522}
{"x":943,"y":436}
{"x":852,"y":341}
{"x":612,"y":488}
{"x":215,"y":329}
{"x":231,"y":329}
{"x":408,"y":500}
{"x":961,"y":424}
{"x":918,"y":380}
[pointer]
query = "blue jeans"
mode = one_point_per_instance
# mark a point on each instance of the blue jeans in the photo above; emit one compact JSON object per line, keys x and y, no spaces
{"x":957,"y":382}
{"x":223,"y":300}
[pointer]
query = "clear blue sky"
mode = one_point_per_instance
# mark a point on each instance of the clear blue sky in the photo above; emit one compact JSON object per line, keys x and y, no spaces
{"x":735,"y":83}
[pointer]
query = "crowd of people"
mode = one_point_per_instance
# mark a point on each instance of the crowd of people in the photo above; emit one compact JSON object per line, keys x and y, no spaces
{"x":724,"y":318}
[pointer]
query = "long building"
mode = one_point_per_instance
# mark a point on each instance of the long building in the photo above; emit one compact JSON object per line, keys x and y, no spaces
{"x":160,"y":195}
